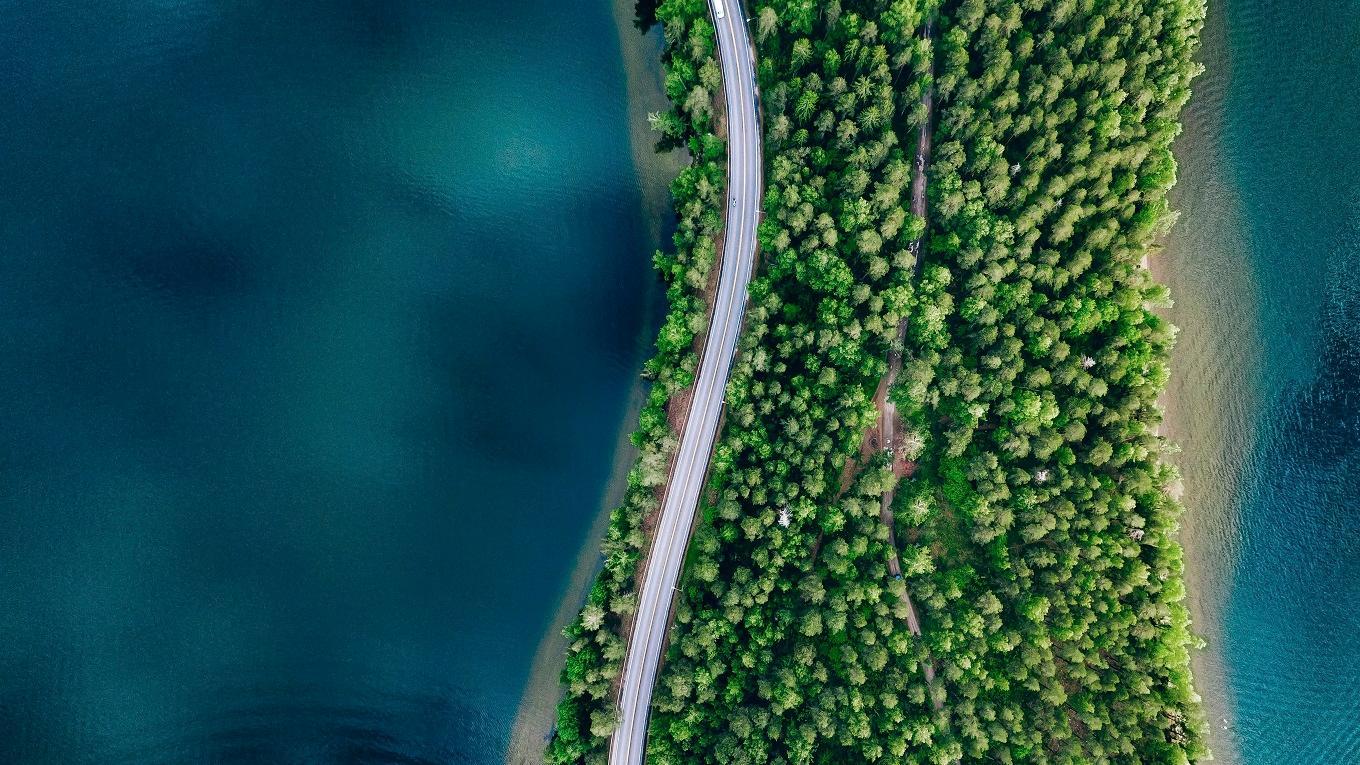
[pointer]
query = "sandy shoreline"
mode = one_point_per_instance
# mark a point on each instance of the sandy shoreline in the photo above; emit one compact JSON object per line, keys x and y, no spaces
{"x":538,"y":702}
{"x":1192,"y":418}
{"x":641,"y":60}
{"x":1208,"y":408}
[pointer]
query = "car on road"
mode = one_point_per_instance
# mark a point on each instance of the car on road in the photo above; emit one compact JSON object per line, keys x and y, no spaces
{"x":718,"y":9}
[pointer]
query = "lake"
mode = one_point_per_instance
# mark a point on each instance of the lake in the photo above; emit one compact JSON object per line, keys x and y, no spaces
{"x":320,"y":323}
{"x":1265,"y":395}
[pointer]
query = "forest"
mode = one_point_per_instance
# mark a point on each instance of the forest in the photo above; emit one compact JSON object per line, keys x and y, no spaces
{"x":1036,"y":529}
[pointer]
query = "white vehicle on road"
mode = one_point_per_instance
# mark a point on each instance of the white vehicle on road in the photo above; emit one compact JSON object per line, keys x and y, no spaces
{"x":718,"y":9}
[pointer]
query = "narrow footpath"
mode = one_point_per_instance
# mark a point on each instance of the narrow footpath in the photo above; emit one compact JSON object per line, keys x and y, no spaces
{"x":888,"y":423}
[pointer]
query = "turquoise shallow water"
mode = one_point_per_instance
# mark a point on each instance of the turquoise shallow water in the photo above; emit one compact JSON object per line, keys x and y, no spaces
{"x":1266,"y":394}
{"x":318,"y":321}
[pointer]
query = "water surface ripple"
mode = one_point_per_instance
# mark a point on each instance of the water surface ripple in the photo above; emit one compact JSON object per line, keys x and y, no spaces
{"x":1266,"y":395}
{"x":319,"y":320}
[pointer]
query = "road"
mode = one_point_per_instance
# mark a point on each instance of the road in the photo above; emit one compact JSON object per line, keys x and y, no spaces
{"x":887,"y":411}
{"x":744,"y":179}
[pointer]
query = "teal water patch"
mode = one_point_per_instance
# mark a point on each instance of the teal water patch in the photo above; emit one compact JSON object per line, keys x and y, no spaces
{"x":1285,"y":158}
{"x":319,"y":321}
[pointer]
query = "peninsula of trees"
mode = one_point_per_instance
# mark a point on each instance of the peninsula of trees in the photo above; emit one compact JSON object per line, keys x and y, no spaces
{"x":1036,"y":531}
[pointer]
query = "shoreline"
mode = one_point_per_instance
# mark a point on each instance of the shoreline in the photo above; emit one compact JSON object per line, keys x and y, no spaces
{"x":1207,"y":411}
{"x":1189,"y":419}
{"x":535,"y":715}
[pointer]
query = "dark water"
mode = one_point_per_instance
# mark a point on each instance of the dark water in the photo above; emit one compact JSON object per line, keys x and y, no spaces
{"x":1266,"y":270}
{"x":317,"y":324}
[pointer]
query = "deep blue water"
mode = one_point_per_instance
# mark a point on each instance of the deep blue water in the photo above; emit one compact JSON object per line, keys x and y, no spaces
{"x":1267,"y":278}
{"x":318,"y":322}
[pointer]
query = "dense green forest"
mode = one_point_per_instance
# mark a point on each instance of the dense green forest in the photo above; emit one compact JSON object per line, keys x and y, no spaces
{"x":791,"y":642}
{"x":1036,"y":532}
{"x":1055,"y":607}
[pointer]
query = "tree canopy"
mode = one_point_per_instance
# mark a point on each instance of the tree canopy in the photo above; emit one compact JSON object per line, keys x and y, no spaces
{"x":1036,"y":533}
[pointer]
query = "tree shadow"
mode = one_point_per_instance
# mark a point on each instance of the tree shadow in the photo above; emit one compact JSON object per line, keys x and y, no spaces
{"x":644,"y":15}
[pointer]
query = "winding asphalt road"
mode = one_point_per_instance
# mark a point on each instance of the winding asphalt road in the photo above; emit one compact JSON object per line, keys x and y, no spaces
{"x":744,"y":181}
